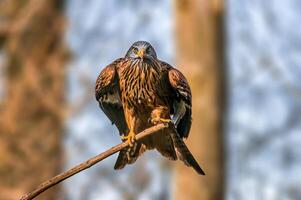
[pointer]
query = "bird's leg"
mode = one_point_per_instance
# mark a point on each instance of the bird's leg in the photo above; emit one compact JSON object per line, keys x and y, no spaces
{"x":160,"y":114}
{"x":131,"y":122}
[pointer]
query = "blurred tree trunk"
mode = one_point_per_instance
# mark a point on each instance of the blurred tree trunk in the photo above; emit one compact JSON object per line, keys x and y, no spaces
{"x":199,"y":29}
{"x":31,"y":122}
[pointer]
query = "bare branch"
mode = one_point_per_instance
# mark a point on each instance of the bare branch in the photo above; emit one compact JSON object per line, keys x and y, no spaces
{"x":92,"y":161}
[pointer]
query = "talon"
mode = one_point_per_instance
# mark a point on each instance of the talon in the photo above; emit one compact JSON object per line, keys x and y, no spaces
{"x":165,"y":120}
{"x":130,"y":138}
{"x":156,"y":120}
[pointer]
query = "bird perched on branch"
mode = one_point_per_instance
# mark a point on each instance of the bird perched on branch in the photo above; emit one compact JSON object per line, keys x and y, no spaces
{"x":139,"y":91}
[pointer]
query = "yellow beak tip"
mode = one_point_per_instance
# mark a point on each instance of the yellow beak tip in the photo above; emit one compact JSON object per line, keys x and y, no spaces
{"x":141,"y":53}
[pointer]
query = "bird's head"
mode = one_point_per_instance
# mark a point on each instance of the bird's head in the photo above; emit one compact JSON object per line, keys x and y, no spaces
{"x":141,"y":50}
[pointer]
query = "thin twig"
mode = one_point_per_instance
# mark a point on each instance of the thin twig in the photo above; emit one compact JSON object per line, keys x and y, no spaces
{"x":92,"y":161}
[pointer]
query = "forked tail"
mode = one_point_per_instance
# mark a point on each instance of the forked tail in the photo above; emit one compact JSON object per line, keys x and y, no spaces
{"x":183,"y":152}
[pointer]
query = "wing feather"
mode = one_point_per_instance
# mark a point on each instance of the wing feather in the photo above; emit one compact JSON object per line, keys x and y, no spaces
{"x":181,"y":102}
{"x":107,"y":93}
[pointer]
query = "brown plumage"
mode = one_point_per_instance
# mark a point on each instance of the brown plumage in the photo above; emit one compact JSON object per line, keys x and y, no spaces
{"x":138,"y":91}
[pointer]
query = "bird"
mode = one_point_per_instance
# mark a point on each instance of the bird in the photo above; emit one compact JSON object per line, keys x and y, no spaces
{"x":138,"y":91}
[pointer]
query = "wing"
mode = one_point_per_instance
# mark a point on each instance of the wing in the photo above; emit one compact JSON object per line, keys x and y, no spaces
{"x":107,"y":93}
{"x":181,"y":101}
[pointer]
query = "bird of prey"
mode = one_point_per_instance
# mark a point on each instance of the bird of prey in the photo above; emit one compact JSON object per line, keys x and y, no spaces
{"x":139,"y":91}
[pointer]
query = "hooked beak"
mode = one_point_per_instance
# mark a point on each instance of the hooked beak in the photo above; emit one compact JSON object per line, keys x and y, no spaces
{"x":141,"y":53}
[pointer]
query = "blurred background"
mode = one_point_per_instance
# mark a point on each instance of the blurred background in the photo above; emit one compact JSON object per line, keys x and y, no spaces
{"x":241,"y":58}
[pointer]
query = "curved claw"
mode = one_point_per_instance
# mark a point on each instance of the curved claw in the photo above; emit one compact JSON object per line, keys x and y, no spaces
{"x":130,"y":138}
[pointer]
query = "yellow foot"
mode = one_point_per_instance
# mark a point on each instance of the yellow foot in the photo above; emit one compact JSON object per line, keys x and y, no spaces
{"x":158,"y":120}
{"x":130,"y":138}
{"x":165,"y":120}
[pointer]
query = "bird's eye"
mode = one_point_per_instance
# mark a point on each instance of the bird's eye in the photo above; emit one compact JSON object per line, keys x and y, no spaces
{"x":135,"y":50}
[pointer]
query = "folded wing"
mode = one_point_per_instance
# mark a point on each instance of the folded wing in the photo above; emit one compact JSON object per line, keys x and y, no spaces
{"x":182,"y":101}
{"x":107,"y":93}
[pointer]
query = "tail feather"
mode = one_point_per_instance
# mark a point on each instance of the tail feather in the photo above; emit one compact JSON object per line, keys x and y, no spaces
{"x":164,"y":144}
{"x":183,"y":152}
{"x":129,"y":155}
{"x":121,"y":160}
